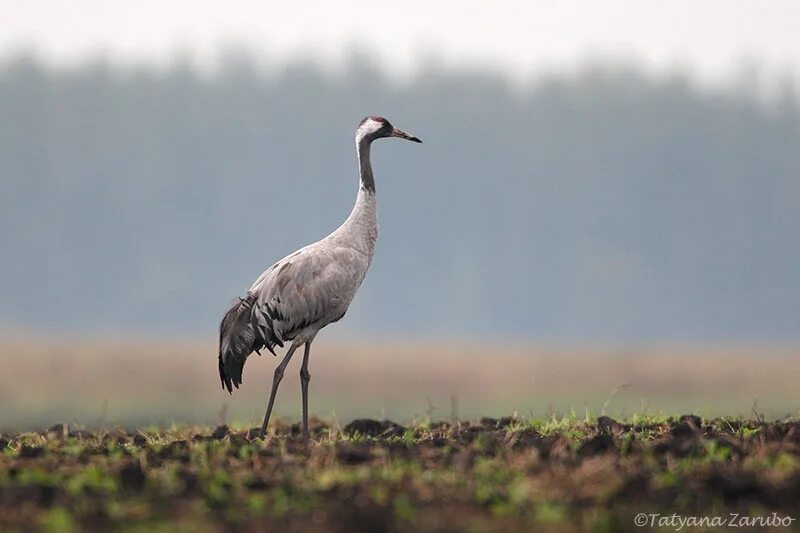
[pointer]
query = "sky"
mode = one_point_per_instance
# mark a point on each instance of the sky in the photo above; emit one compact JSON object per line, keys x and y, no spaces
{"x":712,"y":38}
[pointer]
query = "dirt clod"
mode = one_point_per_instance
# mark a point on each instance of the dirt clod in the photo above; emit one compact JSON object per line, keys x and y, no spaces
{"x":30,"y":452}
{"x":600,"y":443}
{"x":220,"y":432}
{"x":373,"y":428}
{"x":609,"y":425}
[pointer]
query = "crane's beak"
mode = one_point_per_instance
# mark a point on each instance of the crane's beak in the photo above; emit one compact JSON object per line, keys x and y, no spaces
{"x":400,"y":134}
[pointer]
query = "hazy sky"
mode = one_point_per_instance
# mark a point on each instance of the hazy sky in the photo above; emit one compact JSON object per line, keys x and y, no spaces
{"x":713,"y":37}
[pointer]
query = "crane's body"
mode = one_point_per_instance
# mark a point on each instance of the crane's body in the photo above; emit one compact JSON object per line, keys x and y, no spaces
{"x":308,"y":289}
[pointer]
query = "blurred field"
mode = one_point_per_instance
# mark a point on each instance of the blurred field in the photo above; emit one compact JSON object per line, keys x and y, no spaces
{"x":136,"y":382}
{"x":509,"y":474}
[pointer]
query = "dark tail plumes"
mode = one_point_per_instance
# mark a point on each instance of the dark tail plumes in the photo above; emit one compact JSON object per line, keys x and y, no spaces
{"x":237,"y":340}
{"x":243,"y":330}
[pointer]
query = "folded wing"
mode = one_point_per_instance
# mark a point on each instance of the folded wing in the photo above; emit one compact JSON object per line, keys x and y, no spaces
{"x":300,"y":293}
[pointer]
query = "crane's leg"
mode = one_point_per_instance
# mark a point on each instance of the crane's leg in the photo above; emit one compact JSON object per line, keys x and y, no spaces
{"x":305,"y":377}
{"x":276,"y":380}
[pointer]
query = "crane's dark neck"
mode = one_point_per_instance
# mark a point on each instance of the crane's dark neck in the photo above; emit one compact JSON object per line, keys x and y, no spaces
{"x":364,"y":164}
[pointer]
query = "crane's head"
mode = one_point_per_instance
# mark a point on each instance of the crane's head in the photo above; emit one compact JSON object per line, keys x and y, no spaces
{"x":375,"y":127}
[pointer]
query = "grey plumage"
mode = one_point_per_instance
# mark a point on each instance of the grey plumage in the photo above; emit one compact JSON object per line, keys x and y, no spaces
{"x":291,"y":301}
{"x":309,"y":289}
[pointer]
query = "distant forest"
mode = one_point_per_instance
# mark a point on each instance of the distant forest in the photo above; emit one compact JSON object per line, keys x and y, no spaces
{"x":600,"y":205}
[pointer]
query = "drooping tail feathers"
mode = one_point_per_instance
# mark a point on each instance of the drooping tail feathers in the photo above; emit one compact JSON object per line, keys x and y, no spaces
{"x":240,"y":334}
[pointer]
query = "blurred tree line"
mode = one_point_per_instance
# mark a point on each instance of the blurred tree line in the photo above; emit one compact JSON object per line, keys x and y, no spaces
{"x":600,"y":205}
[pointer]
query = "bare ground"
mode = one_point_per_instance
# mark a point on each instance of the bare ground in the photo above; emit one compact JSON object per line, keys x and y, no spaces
{"x":507,"y":474}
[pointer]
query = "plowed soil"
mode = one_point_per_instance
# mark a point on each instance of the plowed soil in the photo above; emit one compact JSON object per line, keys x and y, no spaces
{"x":504,"y":474}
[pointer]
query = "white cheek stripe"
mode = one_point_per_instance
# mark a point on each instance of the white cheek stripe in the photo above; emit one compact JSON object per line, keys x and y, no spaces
{"x":370,"y":126}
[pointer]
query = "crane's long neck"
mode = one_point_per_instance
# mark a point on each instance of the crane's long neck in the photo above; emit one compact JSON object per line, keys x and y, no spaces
{"x":365,"y":165}
{"x":361,"y":227}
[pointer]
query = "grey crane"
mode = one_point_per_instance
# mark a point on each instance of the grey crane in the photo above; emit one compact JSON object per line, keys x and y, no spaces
{"x":308,"y":289}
